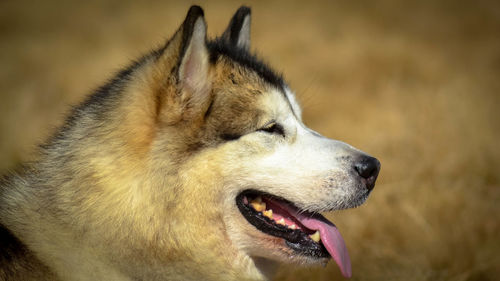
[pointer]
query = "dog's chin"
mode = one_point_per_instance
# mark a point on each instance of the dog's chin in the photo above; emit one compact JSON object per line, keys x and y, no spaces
{"x":281,"y":252}
{"x":288,"y":234}
{"x":355,"y":202}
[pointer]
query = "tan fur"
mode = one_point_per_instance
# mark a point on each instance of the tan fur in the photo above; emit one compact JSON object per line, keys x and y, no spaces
{"x":145,"y":189}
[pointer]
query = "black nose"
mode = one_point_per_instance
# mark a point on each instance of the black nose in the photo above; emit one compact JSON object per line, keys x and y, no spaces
{"x":368,"y":168}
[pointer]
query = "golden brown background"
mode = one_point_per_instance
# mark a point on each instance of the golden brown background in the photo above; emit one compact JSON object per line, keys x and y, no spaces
{"x":414,"y":83}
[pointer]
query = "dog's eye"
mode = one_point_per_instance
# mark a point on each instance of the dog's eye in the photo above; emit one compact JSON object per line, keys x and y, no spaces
{"x":230,"y":137}
{"x":274,"y":128}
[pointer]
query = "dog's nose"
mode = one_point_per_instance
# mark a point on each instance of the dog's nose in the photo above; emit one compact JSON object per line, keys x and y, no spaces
{"x":368,"y":168}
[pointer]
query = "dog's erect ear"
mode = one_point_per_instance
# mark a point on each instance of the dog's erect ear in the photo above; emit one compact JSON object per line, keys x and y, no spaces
{"x":186,"y":58}
{"x":238,"y":31}
{"x":181,"y":72}
{"x":193,"y":56}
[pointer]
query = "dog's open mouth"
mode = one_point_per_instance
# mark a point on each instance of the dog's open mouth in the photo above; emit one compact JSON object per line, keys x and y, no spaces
{"x":306,"y":233}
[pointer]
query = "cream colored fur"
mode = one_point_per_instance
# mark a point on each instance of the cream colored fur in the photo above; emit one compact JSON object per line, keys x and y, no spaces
{"x":140,"y":186}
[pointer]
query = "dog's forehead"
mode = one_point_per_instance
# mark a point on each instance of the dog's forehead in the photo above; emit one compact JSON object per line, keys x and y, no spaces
{"x":240,"y":85}
{"x":276,"y":104}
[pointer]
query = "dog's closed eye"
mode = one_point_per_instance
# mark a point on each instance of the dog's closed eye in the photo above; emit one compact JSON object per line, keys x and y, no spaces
{"x":273,"y":128}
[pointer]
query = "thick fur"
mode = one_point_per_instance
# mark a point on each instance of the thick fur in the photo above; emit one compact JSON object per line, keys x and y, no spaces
{"x":140,"y":183}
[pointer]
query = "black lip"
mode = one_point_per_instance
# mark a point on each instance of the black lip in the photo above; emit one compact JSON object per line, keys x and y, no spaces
{"x":296,"y":240}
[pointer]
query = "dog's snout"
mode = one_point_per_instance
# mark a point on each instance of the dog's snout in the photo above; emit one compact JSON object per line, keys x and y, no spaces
{"x":368,"y":168}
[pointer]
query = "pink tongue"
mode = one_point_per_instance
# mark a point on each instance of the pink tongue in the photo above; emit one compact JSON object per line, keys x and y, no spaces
{"x":330,"y":237}
{"x":333,"y":242}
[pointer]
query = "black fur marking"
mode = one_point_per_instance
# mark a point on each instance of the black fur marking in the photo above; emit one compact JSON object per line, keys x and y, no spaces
{"x":17,"y":262}
{"x":236,"y":24}
{"x":219,"y":47}
{"x":113,"y":86}
{"x":209,"y":109}
{"x":10,"y":246}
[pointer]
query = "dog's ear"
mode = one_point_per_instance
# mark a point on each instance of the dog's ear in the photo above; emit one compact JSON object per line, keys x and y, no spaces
{"x":185,"y":58}
{"x":193,"y":61}
{"x":237,"y":33}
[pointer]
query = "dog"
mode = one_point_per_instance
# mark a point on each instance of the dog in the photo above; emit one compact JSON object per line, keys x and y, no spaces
{"x":191,"y":164}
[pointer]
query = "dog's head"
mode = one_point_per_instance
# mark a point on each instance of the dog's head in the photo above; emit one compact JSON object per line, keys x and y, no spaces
{"x":244,"y":146}
{"x":229,"y":154}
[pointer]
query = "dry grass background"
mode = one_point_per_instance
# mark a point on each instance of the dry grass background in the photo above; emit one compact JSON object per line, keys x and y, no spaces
{"x":415,"y":83}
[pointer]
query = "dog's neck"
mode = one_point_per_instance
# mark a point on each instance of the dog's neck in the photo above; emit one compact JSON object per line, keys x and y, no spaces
{"x":267,"y":267}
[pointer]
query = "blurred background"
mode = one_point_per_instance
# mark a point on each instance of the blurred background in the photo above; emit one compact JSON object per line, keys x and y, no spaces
{"x":414,"y":83}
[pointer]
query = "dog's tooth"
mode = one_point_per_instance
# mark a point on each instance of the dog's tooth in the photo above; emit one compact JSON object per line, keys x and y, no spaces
{"x":259,"y":207}
{"x":255,"y":206}
{"x":315,"y":237}
{"x":281,"y":221}
{"x":293,"y":226}
{"x":268,"y":213}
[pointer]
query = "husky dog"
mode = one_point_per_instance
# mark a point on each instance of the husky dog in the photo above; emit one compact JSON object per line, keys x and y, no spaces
{"x":191,"y":164}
